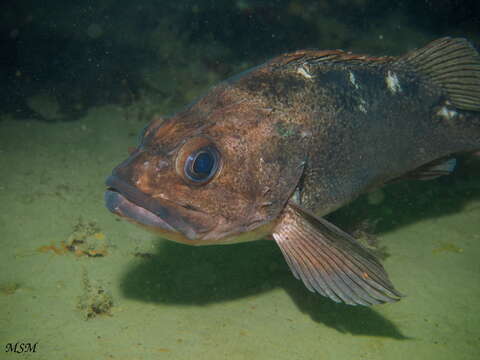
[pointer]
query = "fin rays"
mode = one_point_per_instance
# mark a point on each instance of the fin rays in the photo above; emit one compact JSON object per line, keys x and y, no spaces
{"x":452,"y":64}
{"x":330,"y":262}
{"x":351,"y":267}
{"x":352,"y":288}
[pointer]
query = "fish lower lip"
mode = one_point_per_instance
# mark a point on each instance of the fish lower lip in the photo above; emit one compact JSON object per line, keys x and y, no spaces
{"x":126,"y":200}
{"x":120,"y":205}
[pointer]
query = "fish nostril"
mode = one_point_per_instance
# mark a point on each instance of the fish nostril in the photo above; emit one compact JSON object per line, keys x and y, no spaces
{"x":161,"y":165}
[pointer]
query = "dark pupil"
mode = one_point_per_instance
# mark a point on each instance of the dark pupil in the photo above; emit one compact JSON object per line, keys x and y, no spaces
{"x":203,"y":164}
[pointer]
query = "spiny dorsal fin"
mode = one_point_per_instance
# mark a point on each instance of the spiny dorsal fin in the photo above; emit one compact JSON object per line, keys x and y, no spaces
{"x":452,"y":64}
{"x":328,"y":57}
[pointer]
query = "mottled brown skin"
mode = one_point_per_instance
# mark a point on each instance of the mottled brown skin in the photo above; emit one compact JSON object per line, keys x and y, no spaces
{"x":352,"y":150}
{"x":259,"y":171}
{"x":295,"y":124}
{"x":271,"y":151}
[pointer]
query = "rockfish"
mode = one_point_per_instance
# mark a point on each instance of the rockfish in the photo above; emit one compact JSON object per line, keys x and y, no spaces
{"x":268,"y":152}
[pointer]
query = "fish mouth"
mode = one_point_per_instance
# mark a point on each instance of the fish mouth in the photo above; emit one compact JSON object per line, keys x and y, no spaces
{"x":125,"y":200}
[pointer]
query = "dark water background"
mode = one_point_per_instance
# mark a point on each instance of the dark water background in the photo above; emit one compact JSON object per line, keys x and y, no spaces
{"x":62,"y":61}
{"x":76,"y":55}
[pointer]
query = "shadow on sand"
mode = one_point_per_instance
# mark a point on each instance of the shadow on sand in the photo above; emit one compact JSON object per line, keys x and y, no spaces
{"x":184,"y":275}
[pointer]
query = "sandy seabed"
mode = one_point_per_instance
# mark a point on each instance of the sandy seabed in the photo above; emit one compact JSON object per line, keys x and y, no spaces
{"x":82,"y":284}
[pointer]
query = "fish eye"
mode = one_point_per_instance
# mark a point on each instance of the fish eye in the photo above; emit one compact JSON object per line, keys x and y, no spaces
{"x":198,"y":160}
{"x":202,"y":164}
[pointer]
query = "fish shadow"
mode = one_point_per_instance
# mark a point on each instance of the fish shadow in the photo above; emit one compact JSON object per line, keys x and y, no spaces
{"x":410,"y":201}
{"x":183,"y":275}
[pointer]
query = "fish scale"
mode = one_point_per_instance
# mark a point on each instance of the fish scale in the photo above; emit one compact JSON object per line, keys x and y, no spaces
{"x":267,"y":153}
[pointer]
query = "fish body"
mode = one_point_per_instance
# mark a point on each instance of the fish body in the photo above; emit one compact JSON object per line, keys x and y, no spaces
{"x":270,"y":151}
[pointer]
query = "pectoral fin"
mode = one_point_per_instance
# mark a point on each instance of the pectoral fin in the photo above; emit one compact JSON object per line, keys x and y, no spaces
{"x":331,"y":262}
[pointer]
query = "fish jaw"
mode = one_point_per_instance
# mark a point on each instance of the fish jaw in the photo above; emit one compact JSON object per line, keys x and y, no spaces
{"x":121,"y":206}
{"x":173,"y":222}
{"x":164,"y":217}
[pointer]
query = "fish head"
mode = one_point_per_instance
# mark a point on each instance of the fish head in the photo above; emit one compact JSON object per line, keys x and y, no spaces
{"x":218,"y":172}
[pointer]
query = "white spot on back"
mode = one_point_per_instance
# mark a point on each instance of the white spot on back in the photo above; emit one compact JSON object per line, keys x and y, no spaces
{"x":351,"y":77}
{"x":446,"y":113}
{"x":392,"y":82}
{"x":304,"y":72}
{"x":305,"y":133}
{"x":362,"y":107}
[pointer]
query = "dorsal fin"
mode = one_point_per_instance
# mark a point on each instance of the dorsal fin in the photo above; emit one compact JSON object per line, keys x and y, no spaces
{"x":328,"y":57}
{"x":452,"y":64}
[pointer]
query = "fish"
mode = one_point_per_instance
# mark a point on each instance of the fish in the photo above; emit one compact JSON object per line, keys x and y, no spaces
{"x":268,"y":153}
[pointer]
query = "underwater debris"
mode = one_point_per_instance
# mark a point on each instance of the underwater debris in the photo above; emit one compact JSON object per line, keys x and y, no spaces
{"x":144,"y":255}
{"x":85,"y":240}
{"x":9,"y":288}
{"x":447,"y":247}
{"x":53,"y":248}
{"x":365,"y":234}
{"x":96,"y":300}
